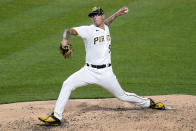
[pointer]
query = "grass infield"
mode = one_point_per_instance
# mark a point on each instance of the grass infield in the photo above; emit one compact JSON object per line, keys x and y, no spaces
{"x":153,"y":47}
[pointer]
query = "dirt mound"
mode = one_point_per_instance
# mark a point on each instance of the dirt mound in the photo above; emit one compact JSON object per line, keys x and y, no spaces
{"x":103,"y":114}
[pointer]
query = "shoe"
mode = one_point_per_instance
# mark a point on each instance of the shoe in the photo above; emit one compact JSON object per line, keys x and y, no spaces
{"x":158,"y":105}
{"x":50,"y":120}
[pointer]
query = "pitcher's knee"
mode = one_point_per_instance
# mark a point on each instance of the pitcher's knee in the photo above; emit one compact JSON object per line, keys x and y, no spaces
{"x":68,"y":85}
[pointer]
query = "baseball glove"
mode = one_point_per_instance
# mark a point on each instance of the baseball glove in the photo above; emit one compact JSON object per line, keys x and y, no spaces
{"x":66,"y":50}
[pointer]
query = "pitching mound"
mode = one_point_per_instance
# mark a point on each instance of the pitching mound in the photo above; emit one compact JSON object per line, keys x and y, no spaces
{"x":103,"y":114}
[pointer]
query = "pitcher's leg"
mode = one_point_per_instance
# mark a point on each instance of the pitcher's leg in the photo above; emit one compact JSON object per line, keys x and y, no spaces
{"x":110,"y":83}
{"x":80,"y":78}
{"x":138,"y":100}
{"x":63,"y":98}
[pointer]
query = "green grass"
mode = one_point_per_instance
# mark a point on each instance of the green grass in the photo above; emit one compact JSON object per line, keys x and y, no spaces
{"x":153,"y":47}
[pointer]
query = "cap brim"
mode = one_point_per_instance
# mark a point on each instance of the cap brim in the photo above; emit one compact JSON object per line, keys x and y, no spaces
{"x":91,"y":14}
{"x":94,"y":13}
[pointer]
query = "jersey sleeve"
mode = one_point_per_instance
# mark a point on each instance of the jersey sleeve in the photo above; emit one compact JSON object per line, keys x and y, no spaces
{"x":82,"y":31}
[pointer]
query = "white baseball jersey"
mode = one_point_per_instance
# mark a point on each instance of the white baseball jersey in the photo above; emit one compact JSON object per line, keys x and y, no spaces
{"x":97,"y":44}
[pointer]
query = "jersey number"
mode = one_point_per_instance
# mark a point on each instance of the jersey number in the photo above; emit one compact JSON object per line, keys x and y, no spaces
{"x":109,"y":48}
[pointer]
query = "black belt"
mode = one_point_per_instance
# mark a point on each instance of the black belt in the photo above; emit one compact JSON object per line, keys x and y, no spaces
{"x":99,"y":66}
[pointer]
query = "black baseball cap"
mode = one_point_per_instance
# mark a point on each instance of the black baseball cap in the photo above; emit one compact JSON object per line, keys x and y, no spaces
{"x":96,"y":11}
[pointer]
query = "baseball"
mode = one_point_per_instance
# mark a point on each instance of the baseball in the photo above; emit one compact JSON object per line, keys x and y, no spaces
{"x":126,"y":11}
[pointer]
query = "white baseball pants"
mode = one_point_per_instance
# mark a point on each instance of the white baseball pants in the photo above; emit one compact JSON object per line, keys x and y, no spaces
{"x":103,"y":77}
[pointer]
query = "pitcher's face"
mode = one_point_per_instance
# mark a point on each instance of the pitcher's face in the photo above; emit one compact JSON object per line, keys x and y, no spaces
{"x":98,"y":19}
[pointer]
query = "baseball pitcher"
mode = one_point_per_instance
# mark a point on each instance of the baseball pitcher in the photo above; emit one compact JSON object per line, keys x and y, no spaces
{"x":98,"y":68}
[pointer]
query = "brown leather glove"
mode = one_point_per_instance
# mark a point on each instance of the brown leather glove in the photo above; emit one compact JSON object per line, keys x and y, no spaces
{"x":66,"y":50}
